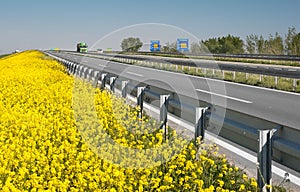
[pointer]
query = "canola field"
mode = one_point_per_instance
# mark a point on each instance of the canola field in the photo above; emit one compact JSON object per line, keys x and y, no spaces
{"x":50,"y":140}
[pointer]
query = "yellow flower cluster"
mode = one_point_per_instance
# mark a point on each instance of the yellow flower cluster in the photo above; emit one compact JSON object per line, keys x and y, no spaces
{"x":57,"y":136}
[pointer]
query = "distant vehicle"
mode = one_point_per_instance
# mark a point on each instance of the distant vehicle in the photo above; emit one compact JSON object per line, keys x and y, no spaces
{"x":82,"y":47}
{"x":55,"y":49}
{"x":17,"y":51}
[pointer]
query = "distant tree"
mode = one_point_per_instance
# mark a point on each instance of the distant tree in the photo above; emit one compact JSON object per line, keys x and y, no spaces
{"x":169,"y":48}
{"x":131,"y":44}
{"x":251,"y":43}
{"x":229,"y":45}
{"x":261,"y":45}
{"x":212,"y":45}
{"x":272,"y":45}
{"x":292,"y":42}
{"x":296,"y":45}
{"x":275,"y":45}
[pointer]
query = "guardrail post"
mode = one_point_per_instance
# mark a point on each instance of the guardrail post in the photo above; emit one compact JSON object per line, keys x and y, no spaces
{"x":72,"y":68}
{"x":124,"y":88}
{"x":247,"y":76}
{"x":294,"y":84}
{"x":223,"y":74}
{"x":140,"y":100}
{"x":112,"y":83}
{"x":276,"y":80}
{"x":200,"y":122}
{"x":164,"y":100}
{"x":69,"y":66}
{"x":204,"y":71}
{"x":83,"y":72}
{"x":176,"y":66}
{"x":79,"y":70}
{"x":264,"y":172}
{"x":234,"y":75}
{"x":86,"y":73}
{"x":89,"y":74}
{"x":96,"y":77}
{"x":76,"y":71}
{"x":103,"y":80}
{"x":260,"y":78}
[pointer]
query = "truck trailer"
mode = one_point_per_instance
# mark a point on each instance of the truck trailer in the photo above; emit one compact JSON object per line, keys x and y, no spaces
{"x":82,"y":47}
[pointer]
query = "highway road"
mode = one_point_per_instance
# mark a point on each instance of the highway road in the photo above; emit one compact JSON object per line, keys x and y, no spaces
{"x":272,"y":105}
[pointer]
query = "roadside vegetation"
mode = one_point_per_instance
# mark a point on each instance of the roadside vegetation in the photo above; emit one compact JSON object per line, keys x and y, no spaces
{"x":47,"y":143}
{"x":2,"y":56}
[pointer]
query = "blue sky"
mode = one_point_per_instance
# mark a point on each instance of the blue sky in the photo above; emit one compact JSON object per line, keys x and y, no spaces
{"x":44,"y":24}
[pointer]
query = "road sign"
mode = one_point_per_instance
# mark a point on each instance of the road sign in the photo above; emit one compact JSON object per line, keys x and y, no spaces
{"x":182,"y":44}
{"x":155,"y":45}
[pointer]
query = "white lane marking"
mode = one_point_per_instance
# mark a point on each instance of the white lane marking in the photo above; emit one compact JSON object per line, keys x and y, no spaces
{"x":101,"y":65}
{"x":225,"y":96}
{"x":136,"y":74}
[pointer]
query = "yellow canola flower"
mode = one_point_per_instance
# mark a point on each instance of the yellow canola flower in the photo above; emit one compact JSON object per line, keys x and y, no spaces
{"x":43,"y":147}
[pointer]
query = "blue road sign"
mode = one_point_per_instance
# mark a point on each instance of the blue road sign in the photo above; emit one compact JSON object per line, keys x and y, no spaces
{"x":155,"y":45}
{"x":182,"y":44}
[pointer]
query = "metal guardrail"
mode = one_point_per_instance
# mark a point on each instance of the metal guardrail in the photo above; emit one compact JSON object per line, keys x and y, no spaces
{"x":269,"y":140}
{"x":237,"y":56}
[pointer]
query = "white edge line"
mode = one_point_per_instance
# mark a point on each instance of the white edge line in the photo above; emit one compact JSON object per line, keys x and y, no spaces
{"x":136,"y":74}
{"x":225,"y":96}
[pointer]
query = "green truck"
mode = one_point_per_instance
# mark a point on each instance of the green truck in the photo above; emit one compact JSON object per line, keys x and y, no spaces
{"x":82,"y":47}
